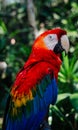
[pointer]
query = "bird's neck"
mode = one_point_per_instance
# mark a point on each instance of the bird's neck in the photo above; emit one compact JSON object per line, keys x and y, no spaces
{"x":39,"y":55}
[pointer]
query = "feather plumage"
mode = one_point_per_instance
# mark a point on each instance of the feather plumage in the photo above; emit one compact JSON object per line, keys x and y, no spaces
{"x":34,"y":89}
{"x":32,"y":114}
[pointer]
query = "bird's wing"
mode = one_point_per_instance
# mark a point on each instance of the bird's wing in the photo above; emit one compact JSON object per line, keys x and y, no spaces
{"x":31,"y":104}
{"x":37,"y":99}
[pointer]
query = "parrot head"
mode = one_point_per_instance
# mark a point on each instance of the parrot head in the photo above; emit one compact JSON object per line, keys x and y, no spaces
{"x":55,"y":40}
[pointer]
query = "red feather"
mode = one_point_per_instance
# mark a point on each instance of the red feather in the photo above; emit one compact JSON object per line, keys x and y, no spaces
{"x":40,"y":63}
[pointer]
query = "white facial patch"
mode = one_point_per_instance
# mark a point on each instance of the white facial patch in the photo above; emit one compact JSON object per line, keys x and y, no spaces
{"x":65,"y":43}
{"x":50,"y":41}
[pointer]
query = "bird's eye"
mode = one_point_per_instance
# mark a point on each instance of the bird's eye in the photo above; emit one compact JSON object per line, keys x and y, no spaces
{"x":51,"y":37}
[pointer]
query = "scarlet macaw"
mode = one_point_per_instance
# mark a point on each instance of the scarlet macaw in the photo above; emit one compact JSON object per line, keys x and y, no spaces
{"x":35,"y":87}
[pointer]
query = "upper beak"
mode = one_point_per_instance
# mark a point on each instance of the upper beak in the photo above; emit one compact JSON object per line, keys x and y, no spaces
{"x":65,"y":43}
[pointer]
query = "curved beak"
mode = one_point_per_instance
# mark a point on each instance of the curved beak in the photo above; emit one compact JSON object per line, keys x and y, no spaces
{"x":65,"y":43}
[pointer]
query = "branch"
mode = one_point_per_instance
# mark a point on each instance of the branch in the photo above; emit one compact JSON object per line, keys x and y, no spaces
{"x":31,"y":16}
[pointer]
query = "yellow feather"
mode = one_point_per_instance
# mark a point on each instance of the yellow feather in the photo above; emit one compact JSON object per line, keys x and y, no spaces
{"x":22,"y":99}
{"x":18,"y":103}
{"x":30,"y":95}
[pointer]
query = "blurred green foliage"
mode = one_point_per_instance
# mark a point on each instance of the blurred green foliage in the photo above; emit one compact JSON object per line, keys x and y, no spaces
{"x":65,"y":113}
{"x":68,"y":75}
{"x":15,"y":40}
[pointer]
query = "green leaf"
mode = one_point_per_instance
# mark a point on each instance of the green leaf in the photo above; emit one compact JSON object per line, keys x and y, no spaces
{"x":74,"y":101}
{"x":61,"y":75}
{"x":75,"y":68}
{"x":3,"y":28}
{"x":62,"y":70}
{"x":62,"y":80}
{"x":66,"y":63}
{"x":63,"y":96}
